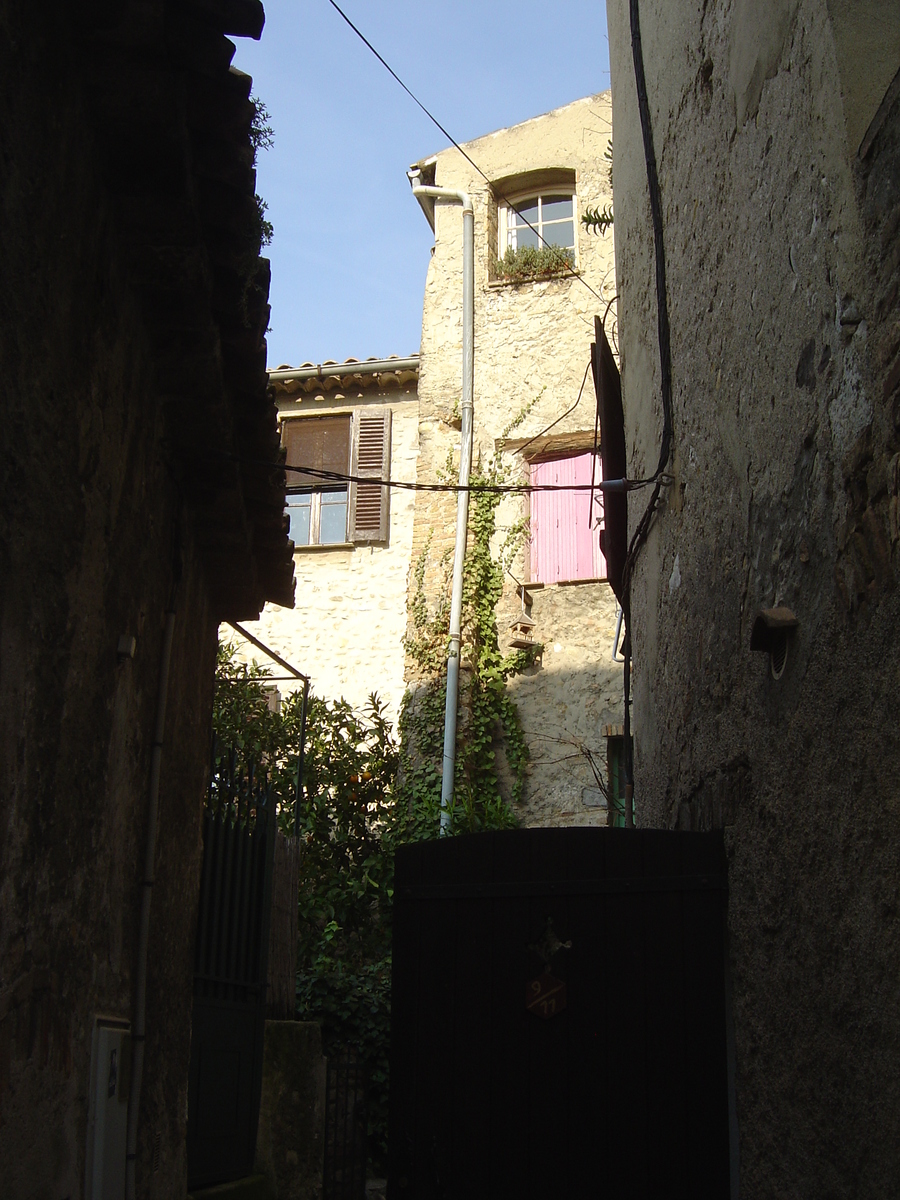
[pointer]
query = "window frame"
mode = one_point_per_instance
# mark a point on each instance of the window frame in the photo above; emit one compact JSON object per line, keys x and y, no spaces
{"x":313,"y":490}
{"x":315,"y":515}
{"x":513,"y":202}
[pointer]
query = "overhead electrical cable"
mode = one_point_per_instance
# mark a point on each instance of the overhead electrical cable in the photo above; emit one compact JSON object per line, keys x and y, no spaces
{"x":572,"y":274}
{"x":609,"y":485}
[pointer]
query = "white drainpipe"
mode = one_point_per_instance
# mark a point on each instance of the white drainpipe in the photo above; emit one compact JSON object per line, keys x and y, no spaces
{"x":465,"y":465}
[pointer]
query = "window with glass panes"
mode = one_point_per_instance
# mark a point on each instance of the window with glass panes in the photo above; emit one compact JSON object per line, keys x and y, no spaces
{"x":318,"y":509}
{"x":538,"y":221}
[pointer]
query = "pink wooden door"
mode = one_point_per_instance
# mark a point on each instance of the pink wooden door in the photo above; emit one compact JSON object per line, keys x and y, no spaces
{"x":564,"y":543}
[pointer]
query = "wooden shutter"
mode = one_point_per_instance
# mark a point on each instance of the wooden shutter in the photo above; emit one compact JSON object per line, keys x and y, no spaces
{"x":370,"y":502}
{"x":320,"y":443}
{"x":564,"y":543}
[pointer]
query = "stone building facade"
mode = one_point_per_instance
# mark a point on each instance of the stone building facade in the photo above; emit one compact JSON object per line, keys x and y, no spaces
{"x":353,"y":581}
{"x":776,"y":129}
{"x":133,"y":307}
{"x":532,"y":348}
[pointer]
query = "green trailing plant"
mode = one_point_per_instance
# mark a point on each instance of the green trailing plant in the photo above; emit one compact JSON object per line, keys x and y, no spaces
{"x":265,"y":227}
{"x":599,"y":220}
{"x":262,"y":135}
{"x":259,"y":230}
{"x":534,"y":262}
{"x":491,"y":750}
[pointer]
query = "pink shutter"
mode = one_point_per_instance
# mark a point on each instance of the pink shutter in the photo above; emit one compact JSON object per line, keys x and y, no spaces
{"x":564,"y":545}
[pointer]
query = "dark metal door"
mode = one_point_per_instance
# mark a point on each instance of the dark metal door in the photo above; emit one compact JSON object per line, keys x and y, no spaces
{"x":230,"y":978}
{"x":558,"y":1017}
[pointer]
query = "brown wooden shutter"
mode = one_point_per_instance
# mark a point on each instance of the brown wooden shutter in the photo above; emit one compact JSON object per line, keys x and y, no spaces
{"x":370,"y":502}
{"x":320,"y":443}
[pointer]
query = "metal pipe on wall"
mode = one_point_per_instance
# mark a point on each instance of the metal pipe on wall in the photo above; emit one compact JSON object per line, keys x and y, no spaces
{"x":465,"y":465}
{"x":139,"y":1030}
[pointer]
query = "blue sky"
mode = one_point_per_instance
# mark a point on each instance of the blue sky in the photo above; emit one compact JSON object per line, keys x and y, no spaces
{"x":351,"y":246}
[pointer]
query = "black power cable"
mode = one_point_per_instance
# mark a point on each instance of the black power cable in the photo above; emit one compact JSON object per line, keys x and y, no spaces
{"x":662,"y":307}
{"x":547,"y":428}
{"x":518,"y":489}
{"x":665,"y":368}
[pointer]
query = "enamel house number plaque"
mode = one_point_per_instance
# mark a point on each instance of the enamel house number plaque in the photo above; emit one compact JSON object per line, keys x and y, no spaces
{"x":545,"y":996}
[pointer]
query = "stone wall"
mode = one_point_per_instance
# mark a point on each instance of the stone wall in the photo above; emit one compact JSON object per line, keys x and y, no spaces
{"x":778,"y":176}
{"x":566,"y":700}
{"x":532,"y":345}
{"x":86,"y":554}
{"x":347,"y":630}
{"x":291,"y":1143}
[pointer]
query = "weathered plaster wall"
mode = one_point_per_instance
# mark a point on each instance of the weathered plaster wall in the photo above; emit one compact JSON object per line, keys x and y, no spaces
{"x":532,"y":345}
{"x":781,"y":246}
{"x":347,"y":630}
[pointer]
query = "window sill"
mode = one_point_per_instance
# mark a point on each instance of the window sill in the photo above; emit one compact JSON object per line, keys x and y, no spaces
{"x":495,"y":284}
{"x":535,"y":586}
{"x":318,"y":549}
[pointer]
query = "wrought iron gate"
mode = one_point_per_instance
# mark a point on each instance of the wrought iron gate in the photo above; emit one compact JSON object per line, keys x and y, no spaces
{"x":230,"y":975}
{"x":345,"y":1127}
{"x":558,"y":1017}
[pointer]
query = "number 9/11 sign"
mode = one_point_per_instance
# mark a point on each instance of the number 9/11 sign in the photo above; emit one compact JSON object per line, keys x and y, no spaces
{"x":546,"y":996}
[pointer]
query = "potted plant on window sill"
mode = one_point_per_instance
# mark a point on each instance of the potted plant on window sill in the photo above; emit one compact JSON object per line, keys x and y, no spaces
{"x":534,"y":262}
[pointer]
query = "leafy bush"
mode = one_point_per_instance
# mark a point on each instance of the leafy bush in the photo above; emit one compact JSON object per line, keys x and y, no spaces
{"x":350,"y":820}
{"x":348,"y":828}
{"x":353,"y":1008}
{"x":353,"y":814}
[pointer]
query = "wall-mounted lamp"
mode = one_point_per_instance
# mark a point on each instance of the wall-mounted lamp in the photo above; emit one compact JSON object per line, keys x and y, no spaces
{"x":771,"y":632}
